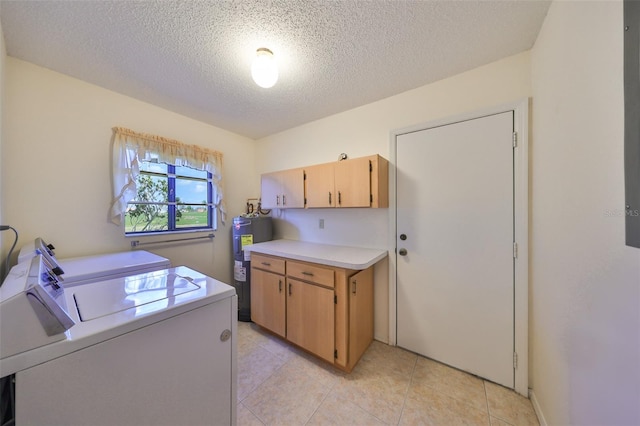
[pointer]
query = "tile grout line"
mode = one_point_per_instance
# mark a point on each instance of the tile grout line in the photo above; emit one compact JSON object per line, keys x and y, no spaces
{"x":285,"y":362}
{"x":300,"y":371}
{"x":406,"y":392}
{"x":254,"y":414}
{"x":321,"y":402}
{"x":486,"y":395}
{"x":486,"y":399}
{"x":266,"y":378}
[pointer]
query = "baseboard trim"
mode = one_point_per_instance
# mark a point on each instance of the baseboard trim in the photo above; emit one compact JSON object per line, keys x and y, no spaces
{"x":380,"y":339}
{"x":537,"y":409}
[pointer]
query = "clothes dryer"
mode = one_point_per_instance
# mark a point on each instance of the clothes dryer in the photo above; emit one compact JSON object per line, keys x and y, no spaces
{"x":154,"y":348}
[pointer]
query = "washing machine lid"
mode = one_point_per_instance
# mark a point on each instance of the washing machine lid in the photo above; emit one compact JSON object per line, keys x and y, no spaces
{"x":106,"y":266}
{"x":108,"y":297}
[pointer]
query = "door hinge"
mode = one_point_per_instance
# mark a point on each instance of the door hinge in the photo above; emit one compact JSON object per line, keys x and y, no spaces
{"x":335,"y":354}
{"x":515,"y":139}
{"x":304,"y":176}
{"x":515,"y":250}
{"x":515,"y":360}
{"x":335,"y":299}
{"x":370,"y":167}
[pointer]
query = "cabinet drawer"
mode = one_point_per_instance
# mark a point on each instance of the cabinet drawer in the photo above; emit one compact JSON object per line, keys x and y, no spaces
{"x":267,"y":263}
{"x":310,"y":272}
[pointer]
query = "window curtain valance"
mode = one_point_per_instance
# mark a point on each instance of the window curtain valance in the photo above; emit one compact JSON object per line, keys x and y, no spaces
{"x":129,"y":148}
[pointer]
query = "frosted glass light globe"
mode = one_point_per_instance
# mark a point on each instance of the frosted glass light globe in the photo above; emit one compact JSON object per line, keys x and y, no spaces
{"x":264,"y":69}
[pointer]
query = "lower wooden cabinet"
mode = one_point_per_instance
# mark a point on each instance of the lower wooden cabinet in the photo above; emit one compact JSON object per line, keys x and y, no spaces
{"x":310,"y":318}
{"x":268,"y":303}
{"x":325,"y":310}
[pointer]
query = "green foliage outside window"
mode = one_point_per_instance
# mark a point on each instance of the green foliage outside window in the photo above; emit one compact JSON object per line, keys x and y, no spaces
{"x":157,"y":208}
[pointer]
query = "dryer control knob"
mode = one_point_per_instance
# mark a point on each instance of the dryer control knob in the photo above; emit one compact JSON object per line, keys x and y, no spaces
{"x":225,"y":335}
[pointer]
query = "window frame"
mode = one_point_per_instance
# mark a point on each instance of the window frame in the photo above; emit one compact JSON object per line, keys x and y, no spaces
{"x":173,"y":205}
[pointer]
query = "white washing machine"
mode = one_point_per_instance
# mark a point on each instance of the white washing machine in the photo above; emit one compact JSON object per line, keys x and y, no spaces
{"x":93,"y":268}
{"x":157,"y":348}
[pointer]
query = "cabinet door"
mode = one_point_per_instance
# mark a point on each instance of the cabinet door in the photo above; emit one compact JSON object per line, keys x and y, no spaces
{"x":379,"y":182}
{"x":320,"y":191}
{"x":292,"y":188}
{"x":360,"y":313}
{"x":310,"y":318}
{"x":353,"y":182}
{"x":268,"y":300}
{"x":271,"y":190}
{"x":284,"y":189}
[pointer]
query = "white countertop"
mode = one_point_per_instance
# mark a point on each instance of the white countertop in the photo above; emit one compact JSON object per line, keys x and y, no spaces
{"x":325,"y":254}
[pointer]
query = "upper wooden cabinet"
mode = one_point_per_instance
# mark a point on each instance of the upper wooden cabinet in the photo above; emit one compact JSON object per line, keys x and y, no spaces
{"x":283,"y":189}
{"x":319,"y":186}
{"x":359,"y":182}
{"x":362,"y":182}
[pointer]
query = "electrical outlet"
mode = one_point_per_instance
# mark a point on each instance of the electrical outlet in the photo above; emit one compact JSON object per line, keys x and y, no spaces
{"x":321,"y":224}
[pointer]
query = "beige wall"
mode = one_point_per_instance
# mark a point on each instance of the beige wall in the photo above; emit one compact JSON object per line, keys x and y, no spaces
{"x":56,"y":165}
{"x":366,"y":130}
{"x":585,"y":283}
{"x":584,"y":292}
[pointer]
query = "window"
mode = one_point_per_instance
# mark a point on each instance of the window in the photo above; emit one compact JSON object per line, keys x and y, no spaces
{"x":170,"y":198}
{"x":163,"y":185}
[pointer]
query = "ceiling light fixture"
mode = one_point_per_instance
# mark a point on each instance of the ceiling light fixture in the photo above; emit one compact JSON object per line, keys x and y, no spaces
{"x":264,"y":69}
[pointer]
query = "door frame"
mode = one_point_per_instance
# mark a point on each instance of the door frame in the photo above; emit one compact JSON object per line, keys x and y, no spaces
{"x":520,"y":110}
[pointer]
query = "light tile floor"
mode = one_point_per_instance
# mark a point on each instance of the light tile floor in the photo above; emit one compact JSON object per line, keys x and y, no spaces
{"x":279,"y":384}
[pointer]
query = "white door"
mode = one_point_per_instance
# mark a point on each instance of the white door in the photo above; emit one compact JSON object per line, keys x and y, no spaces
{"x":455,"y":235}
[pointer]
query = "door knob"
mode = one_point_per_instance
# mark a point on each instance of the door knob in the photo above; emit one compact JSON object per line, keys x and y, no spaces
{"x":402,"y":252}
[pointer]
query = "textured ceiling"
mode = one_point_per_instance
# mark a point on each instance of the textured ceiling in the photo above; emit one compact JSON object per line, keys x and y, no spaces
{"x":194,"y":57}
